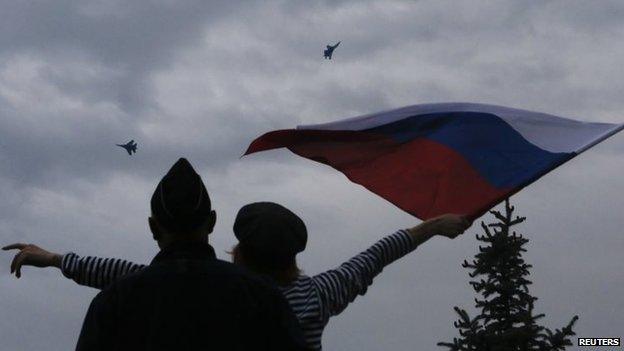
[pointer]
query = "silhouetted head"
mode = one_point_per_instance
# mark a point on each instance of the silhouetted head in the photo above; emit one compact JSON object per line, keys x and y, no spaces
{"x":269,"y":238}
{"x":181,"y":207}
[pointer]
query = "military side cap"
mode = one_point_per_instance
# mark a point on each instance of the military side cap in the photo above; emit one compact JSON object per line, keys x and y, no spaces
{"x":180,"y":201}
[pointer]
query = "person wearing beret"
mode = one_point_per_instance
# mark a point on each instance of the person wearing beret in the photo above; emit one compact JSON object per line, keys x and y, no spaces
{"x":269,"y":238}
{"x":186,"y":298}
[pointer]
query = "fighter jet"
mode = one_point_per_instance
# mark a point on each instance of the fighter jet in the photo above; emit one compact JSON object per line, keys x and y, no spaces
{"x":131,"y":147}
{"x":330,"y":50}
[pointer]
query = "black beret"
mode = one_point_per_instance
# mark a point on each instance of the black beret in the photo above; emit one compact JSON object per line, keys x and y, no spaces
{"x":180,"y":201}
{"x":269,"y":228}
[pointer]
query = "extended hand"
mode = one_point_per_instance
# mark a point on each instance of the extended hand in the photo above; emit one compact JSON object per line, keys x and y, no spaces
{"x":448,"y":225}
{"x":32,"y":255}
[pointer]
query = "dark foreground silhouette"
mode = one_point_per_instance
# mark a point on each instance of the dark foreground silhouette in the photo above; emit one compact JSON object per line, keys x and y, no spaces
{"x":269,"y":238}
{"x":187,"y":299}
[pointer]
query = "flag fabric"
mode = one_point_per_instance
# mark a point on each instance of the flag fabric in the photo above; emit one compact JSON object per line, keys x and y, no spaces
{"x":431,"y":159}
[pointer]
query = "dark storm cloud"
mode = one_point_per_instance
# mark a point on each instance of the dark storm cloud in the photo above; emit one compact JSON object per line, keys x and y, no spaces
{"x":100,"y":56}
{"x":131,"y":38}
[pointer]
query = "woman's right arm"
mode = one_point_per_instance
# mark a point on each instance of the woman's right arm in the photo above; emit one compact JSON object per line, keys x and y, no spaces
{"x":339,"y":287}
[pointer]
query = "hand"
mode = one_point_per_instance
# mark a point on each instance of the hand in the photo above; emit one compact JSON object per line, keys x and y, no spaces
{"x":32,"y":255}
{"x":448,"y":225}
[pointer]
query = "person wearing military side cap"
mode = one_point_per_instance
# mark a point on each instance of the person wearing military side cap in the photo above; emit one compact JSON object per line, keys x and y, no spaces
{"x":186,"y":299}
{"x":269,"y":238}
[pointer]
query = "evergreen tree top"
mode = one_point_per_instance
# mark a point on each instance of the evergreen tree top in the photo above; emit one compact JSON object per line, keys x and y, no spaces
{"x":506,"y":321}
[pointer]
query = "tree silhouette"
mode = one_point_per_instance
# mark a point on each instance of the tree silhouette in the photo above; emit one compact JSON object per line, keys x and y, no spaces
{"x":506,"y":321}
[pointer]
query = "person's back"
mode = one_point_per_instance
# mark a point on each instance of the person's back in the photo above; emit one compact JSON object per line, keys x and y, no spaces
{"x":186,"y":299}
{"x":270,"y":236}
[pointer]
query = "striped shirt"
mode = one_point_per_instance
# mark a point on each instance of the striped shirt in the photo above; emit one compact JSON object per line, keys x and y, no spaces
{"x":313,"y":299}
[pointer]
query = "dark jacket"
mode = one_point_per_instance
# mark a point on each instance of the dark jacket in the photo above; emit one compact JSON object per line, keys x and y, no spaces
{"x":189,"y":300}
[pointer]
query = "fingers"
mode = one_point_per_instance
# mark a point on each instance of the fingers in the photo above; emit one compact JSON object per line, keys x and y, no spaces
{"x":449,"y":225}
{"x":19,"y":258}
{"x":466,"y":221}
{"x":455,"y":233}
{"x":463,"y":223}
{"x":19,"y":246}
{"x":459,"y":227}
{"x":18,"y":261}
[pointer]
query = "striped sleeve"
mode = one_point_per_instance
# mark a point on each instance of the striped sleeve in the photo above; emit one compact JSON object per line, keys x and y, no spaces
{"x":339,"y":287}
{"x":96,"y":272}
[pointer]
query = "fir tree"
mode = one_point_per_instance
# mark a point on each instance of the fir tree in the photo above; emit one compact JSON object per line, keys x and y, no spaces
{"x":506,"y":321}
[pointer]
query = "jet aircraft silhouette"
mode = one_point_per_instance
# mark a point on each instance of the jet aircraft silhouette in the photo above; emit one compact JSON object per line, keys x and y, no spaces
{"x":131,"y":147}
{"x":330,"y":50}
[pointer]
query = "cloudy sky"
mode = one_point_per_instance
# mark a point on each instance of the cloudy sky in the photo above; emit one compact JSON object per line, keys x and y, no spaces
{"x":201,"y":79}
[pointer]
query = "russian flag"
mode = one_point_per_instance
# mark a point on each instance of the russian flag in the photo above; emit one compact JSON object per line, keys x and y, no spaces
{"x":432,"y":159}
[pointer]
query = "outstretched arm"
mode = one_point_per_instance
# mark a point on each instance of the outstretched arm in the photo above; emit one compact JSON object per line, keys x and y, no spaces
{"x":95,"y":272}
{"x":339,"y":287}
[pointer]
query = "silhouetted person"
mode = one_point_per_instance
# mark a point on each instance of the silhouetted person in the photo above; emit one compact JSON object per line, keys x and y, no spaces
{"x":330,"y":50}
{"x":130,"y":147}
{"x":187,"y":299}
{"x":269,"y":238}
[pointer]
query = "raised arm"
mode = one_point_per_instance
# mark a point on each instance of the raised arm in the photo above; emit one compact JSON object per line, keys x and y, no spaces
{"x":95,"y":272}
{"x":339,"y":287}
